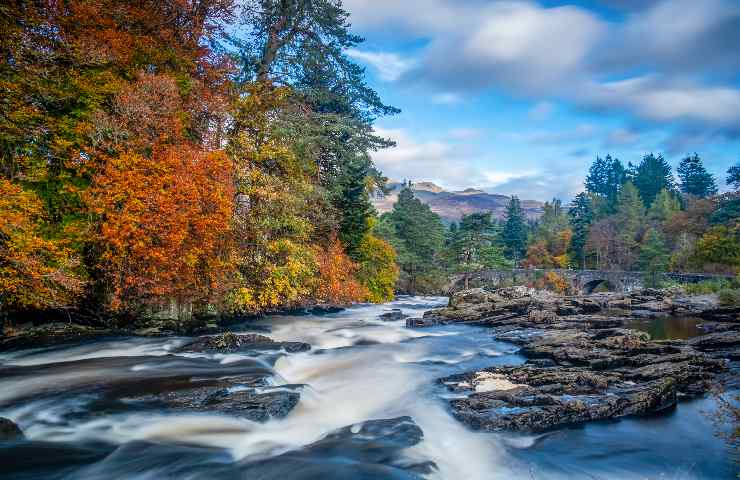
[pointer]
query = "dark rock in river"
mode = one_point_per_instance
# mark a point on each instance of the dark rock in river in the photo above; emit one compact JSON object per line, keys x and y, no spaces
{"x":536,"y":399}
{"x":393,"y":315}
{"x":230,"y":343}
{"x":9,"y":430}
{"x":582,"y":365}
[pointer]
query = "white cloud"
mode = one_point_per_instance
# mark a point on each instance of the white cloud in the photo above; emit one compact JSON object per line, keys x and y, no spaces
{"x":541,"y":111}
{"x":390,"y":66}
{"x":465,"y":133}
{"x":446,"y":98}
{"x":622,"y":137}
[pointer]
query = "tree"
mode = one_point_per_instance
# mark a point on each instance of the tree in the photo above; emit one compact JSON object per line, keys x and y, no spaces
{"x":654,"y":257}
{"x":378,"y":270}
{"x":354,"y":206}
{"x":719,"y":250}
{"x":652,"y":175}
{"x":472,"y":245}
{"x":581,"y":218}
{"x":514,"y":235}
{"x":551,"y":239}
{"x":664,"y":207}
{"x":421,"y":235}
{"x":695,"y":179}
{"x":733,"y":176}
{"x":629,"y":218}
{"x":604,"y":180}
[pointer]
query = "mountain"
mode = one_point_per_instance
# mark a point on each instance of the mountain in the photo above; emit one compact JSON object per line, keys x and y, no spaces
{"x":451,"y":206}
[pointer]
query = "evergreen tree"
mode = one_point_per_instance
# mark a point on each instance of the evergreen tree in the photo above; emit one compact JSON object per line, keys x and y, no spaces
{"x":654,"y":257}
{"x":695,"y":179}
{"x":514,"y":235}
{"x":652,"y":175}
{"x":581,"y":218}
{"x":355,"y":208}
{"x":420,"y":233}
{"x":472,"y":245}
{"x":733,"y":176}
{"x":605,"y":179}
{"x":630,"y":217}
{"x":663,"y":207}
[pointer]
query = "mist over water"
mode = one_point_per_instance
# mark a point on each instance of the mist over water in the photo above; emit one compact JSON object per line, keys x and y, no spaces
{"x":360,"y":372}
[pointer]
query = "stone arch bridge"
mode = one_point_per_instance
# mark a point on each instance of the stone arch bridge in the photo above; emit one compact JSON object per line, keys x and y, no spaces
{"x":582,"y":281}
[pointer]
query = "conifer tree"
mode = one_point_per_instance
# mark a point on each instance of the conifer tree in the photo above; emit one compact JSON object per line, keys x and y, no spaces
{"x":733,"y":176}
{"x":654,"y":257}
{"x":695,"y":179}
{"x":630,"y":218}
{"x":354,"y":205}
{"x":604,"y":181}
{"x":581,"y":218}
{"x":514,"y":235}
{"x":663,"y":207}
{"x":652,"y":175}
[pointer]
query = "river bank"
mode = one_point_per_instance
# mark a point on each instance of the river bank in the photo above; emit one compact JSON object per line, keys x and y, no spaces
{"x":347,"y":394}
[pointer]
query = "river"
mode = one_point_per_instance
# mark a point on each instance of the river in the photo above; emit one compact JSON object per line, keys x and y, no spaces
{"x":359,"y":369}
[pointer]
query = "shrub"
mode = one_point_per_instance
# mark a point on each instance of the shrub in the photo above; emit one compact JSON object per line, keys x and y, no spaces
{"x":730,"y":297}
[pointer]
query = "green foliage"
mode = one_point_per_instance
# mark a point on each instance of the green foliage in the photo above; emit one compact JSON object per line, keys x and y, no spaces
{"x":730,"y":297}
{"x":652,"y":175}
{"x":707,"y":287}
{"x":695,"y":179}
{"x":666,"y":204}
{"x":629,"y":219}
{"x":654,"y":257}
{"x":378,"y":271}
{"x":728,"y":211}
{"x":605,"y":179}
{"x":581,"y":217}
{"x":354,"y":206}
{"x":419,"y":234}
{"x":472,"y":245}
{"x":733,"y":176}
{"x":514,"y":235}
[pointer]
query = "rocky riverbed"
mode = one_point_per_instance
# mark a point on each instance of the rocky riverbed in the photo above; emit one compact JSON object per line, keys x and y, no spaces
{"x":582,"y":363}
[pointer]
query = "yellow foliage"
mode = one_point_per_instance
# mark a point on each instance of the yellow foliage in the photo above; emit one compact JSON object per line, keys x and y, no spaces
{"x":378,"y":270}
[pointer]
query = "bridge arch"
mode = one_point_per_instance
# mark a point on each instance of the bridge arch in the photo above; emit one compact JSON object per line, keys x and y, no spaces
{"x":590,"y":286}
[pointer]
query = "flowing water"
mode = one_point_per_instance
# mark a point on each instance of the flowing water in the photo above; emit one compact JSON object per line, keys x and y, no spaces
{"x":360,"y":369}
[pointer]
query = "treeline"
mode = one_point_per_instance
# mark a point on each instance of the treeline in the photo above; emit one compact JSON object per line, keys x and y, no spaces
{"x":203,"y":156}
{"x":634,"y":217}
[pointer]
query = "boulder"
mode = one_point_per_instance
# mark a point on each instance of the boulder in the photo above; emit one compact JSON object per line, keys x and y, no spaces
{"x":230,"y":342}
{"x":393,"y":315}
{"x":9,"y":431}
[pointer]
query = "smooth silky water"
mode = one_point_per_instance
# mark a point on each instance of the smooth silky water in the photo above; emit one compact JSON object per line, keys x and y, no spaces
{"x":359,"y":369}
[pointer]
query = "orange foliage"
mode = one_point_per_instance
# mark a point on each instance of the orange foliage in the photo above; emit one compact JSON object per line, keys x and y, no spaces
{"x":34,"y":272}
{"x":165,"y":226}
{"x":336,"y":282}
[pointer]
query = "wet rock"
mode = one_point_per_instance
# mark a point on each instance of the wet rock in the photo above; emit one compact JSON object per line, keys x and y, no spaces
{"x":230,"y":343}
{"x":53,"y":334}
{"x":720,"y":340}
{"x":9,"y":431}
{"x":393,"y":315}
{"x":251,"y":404}
{"x":534,"y":399}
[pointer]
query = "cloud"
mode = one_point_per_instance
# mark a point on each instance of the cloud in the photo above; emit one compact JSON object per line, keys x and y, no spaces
{"x":580,"y":133}
{"x":446,"y":98}
{"x":541,"y":111}
{"x":621,"y":137}
{"x":390,"y":66}
{"x":686,"y":53}
{"x":465,"y":133}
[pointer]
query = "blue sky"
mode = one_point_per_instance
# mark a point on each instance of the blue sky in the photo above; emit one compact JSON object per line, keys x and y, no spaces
{"x":519,"y":96}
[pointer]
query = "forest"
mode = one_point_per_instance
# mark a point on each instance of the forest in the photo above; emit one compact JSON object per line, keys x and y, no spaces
{"x":214,"y":157}
{"x":636,"y":217}
{"x":197,"y":157}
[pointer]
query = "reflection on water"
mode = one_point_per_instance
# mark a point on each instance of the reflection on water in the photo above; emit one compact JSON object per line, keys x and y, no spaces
{"x":360,"y":370}
{"x":668,"y":328}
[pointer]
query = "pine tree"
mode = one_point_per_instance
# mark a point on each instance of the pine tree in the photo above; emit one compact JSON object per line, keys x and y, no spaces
{"x":663,"y":207}
{"x":652,"y":175}
{"x":695,"y":179}
{"x":514,"y":235}
{"x":421,"y":234}
{"x":654,"y":257}
{"x":605,"y":179}
{"x":581,"y":218}
{"x":630,"y":217}
{"x":733,"y":176}
{"x":354,"y":206}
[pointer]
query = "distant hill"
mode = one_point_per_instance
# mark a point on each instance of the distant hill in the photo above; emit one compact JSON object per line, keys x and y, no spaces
{"x":451,"y":206}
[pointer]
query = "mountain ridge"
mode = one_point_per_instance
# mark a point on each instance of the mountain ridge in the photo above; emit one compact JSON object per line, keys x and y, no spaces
{"x":452,"y":205}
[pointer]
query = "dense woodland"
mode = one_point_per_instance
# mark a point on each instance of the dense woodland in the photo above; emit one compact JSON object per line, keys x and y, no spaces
{"x":630,"y":218}
{"x":213,"y":156}
{"x":195,"y":156}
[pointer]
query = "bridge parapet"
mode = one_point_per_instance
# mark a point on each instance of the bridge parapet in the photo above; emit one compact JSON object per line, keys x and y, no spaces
{"x":583,"y":281}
